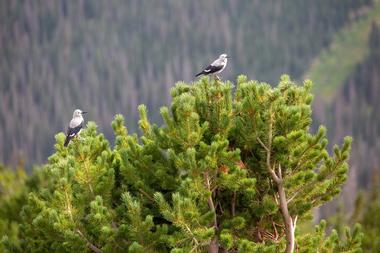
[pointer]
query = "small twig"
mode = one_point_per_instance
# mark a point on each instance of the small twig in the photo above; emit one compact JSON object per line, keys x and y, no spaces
{"x":210,"y":201}
{"x":295,"y":223}
{"x":220,"y":207}
{"x":262,"y":144}
{"x":233,"y":204}
{"x":276,"y":198}
{"x":146,"y":195}
{"x":279,"y":225}
{"x":275,"y":230}
{"x":259,"y":236}
{"x":268,"y":148}
{"x":294,"y":195}
{"x":194,"y":239}
{"x":279,"y":171}
{"x":213,"y":245}
{"x":89,"y":244}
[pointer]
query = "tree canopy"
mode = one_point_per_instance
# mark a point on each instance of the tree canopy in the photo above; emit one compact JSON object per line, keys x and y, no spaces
{"x":231,"y":169}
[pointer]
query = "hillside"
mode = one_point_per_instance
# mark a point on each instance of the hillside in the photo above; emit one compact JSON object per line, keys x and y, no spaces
{"x":354,"y":111}
{"x":348,"y":48}
{"x":108,"y":57}
{"x":347,"y":82}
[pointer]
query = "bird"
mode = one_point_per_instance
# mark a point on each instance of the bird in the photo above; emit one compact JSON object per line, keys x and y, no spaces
{"x":75,"y":126}
{"x":215,"y":67}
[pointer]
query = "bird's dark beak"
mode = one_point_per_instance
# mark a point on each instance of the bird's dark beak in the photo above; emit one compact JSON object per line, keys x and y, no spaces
{"x":227,"y":56}
{"x":84,"y":112}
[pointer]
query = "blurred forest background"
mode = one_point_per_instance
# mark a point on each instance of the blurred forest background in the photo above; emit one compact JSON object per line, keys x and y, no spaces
{"x":106,"y":57}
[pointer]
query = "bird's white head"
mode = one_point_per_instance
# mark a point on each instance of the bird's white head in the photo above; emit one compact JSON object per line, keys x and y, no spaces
{"x":223,"y":58}
{"x":78,"y":113}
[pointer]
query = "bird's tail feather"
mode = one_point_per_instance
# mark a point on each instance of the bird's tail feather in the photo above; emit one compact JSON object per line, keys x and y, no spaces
{"x":67,"y":141}
{"x":200,"y":73}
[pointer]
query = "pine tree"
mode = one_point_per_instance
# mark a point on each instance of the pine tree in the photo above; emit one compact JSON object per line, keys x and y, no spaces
{"x":371,"y":221}
{"x":230,"y":170}
{"x":12,"y":195}
{"x":367,"y":213}
{"x":14,"y":188}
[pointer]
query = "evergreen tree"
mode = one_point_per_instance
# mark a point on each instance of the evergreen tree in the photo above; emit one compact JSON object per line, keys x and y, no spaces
{"x":371,"y":221}
{"x":367,"y":212}
{"x":228,"y":171}
{"x":12,"y":196}
{"x":14,"y":188}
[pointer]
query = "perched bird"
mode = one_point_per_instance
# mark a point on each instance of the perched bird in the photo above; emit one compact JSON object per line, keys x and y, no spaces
{"x":216,"y":67}
{"x":75,"y":126}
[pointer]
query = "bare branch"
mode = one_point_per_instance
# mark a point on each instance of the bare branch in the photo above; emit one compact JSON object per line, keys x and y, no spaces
{"x":210,"y":201}
{"x":89,"y":244}
{"x":291,"y":198}
{"x":233,"y":204}
{"x":294,"y":223}
{"x":146,"y":195}
{"x":269,"y":147}
{"x":262,"y":144}
{"x":279,"y":172}
{"x":275,"y":231}
{"x":276,"y":198}
{"x":213,"y":246}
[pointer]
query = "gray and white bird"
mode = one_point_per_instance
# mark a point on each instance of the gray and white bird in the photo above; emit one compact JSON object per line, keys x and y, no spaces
{"x":75,"y":126}
{"x":216,"y":67}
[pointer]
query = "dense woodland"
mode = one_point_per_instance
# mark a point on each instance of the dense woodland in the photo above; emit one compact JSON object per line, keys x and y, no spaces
{"x":354,"y":111}
{"x":358,"y":99}
{"x":107,"y":57}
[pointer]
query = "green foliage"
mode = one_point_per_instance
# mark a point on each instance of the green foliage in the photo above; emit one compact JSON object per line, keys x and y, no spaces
{"x":199,"y":179}
{"x":319,"y":242}
{"x":353,"y":108}
{"x":348,"y":48}
{"x":367,"y":212}
{"x":14,"y":189}
{"x":12,"y":197}
{"x":371,"y":226}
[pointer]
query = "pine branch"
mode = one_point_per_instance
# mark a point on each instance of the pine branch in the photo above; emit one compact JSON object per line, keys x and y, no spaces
{"x":68,"y":204}
{"x":213,"y":246}
{"x":269,"y":147}
{"x":210,"y":200}
{"x":311,"y":184}
{"x":262,"y":144}
{"x":146,"y":195}
{"x":289,"y":223}
{"x":89,"y":244}
{"x":233,"y":204}
{"x":88,"y":179}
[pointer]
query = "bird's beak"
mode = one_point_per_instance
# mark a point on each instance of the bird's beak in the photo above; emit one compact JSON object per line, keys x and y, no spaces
{"x":227,"y":56}
{"x":84,"y":112}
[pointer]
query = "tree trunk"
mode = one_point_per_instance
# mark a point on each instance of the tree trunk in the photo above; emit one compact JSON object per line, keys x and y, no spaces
{"x":213,"y":246}
{"x":290,"y":225}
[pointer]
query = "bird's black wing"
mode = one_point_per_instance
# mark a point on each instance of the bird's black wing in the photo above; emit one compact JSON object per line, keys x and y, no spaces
{"x":71,"y":132}
{"x":210,"y":69}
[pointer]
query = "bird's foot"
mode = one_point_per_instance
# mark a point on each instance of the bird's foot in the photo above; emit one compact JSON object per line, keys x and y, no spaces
{"x":217,"y":78}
